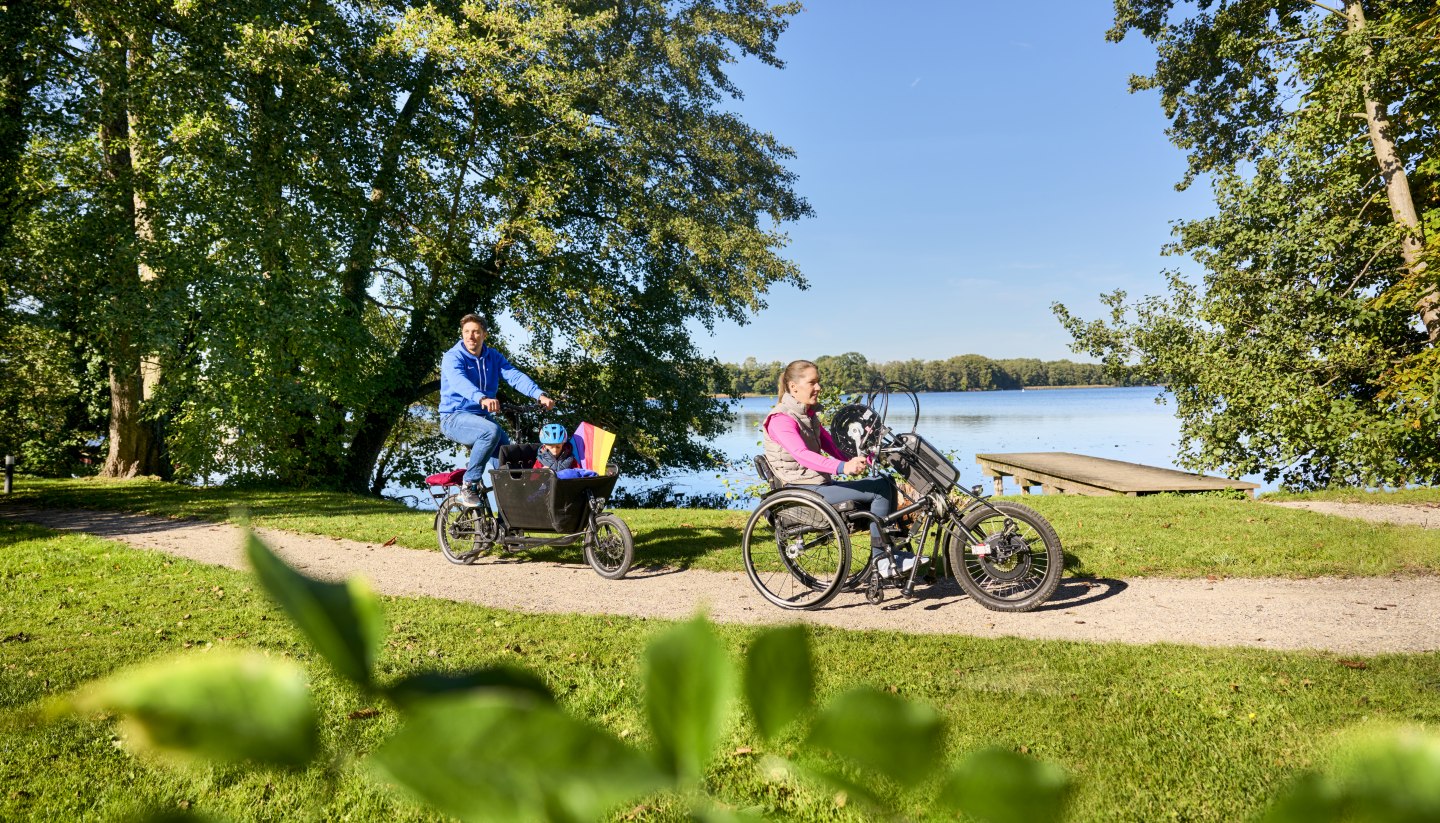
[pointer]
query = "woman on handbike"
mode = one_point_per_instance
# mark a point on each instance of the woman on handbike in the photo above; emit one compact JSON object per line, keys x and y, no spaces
{"x":802,"y":453}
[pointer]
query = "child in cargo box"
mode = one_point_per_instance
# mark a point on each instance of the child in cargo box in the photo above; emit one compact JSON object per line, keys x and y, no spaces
{"x":555,"y":451}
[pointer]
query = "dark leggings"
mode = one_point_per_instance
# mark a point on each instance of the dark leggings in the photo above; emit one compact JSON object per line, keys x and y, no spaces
{"x":879,"y":492}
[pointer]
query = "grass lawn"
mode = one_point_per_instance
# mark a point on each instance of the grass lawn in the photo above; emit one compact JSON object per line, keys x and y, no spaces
{"x":1149,"y":732}
{"x":1162,"y":536}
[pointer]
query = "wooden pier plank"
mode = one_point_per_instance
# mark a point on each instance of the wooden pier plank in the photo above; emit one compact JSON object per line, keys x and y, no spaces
{"x":1083,"y":474}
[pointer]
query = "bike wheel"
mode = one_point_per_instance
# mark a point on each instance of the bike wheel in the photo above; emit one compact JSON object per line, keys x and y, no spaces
{"x":613,"y":549}
{"x":796,"y":551}
{"x":464,"y":532}
{"x":1023,"y":561}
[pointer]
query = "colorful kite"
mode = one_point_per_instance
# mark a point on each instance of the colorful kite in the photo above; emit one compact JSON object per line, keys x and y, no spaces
{"x":592,"y":446}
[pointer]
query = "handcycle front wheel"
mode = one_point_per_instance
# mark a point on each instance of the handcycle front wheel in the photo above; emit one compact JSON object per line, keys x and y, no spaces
{"x":612,"y":550}
{"x":1022,"y":561}
{"x":464,"y":532}
{"x":796,"y":550}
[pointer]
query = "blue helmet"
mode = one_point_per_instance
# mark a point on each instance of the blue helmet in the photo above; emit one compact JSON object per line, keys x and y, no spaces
{"x":552,"y":434}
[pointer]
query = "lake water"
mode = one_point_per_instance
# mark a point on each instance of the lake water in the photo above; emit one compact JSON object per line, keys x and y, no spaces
{"x":1117,"y":423}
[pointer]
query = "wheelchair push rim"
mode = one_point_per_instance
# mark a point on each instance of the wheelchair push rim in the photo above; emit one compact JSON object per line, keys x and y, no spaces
{"x":796,"y":550}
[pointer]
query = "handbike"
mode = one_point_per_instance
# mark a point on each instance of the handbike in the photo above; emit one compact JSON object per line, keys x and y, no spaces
{"x":528,"y":500}
{"x":797,"y":546}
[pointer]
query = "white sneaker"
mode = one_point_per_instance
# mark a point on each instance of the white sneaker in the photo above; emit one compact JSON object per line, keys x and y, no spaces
{"x":470,"y":496}
{"x":906,"y":562}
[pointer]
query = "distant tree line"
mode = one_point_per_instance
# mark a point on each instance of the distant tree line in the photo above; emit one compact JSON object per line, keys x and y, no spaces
{"x":851,"y":372}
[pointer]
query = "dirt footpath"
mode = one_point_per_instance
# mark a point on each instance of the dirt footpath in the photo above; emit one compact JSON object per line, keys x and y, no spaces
{"x":1426,"y":515}
{"x":1345,"y":615}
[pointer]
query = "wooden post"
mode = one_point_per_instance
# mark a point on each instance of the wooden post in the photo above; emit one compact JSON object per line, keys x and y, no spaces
{"x":9,"y":472}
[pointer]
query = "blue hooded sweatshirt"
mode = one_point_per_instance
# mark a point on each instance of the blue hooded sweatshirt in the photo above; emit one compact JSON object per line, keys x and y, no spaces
{"x":466,"y":379}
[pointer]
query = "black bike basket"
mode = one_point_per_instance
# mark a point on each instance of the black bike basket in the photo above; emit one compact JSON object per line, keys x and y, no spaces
{"x":922,"y":464}
{"x":537,"y":500}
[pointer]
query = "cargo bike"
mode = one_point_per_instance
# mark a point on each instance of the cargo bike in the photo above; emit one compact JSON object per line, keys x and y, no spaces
{"x":529,"y":500}
{"x":798,"y":548}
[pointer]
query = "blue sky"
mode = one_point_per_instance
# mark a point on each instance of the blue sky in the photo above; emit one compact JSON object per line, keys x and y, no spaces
{"x":968,"y":163}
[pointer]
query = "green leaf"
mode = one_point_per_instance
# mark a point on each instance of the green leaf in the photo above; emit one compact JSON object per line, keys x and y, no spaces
{"x":1002,"y":786}
{"x":501,"y":756}
{"x":900,"y":739}
{"x":837,"y":781}
{"x":414,"y":689}
{"x":688,"y":685}
{"x":1385,"y":776}
{"x":707,"y":812}
{"x":240,"y":707}
{"x":779,"y":678}
{"x":1308,"y":799}
{"x":343,"y":621}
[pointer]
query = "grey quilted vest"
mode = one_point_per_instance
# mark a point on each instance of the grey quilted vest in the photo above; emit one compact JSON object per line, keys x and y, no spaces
{"x":787,"y":468}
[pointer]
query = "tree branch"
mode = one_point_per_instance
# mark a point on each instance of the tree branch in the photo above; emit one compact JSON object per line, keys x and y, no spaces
{"x":1373,"y":195}
{"x":1335,"y":11}
{"x":1365,"y":268}
{"x":390,"y":306}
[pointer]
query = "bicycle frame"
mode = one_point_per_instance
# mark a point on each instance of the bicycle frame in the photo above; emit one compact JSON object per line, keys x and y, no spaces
{"x":936,"y":505}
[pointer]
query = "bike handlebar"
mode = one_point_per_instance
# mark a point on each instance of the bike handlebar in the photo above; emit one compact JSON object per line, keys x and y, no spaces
{"x":515,"y":407}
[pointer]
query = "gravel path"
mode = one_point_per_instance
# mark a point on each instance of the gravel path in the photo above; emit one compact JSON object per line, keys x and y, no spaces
{"x":1426,"y":515}
{"x":1366,"y":615}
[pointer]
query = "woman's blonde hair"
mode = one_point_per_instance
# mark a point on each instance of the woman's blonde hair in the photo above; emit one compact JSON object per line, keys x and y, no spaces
{"x":791,"y":373}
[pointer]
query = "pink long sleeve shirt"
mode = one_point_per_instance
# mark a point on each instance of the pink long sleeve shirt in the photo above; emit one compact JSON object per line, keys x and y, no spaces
{"x":783,"y":429}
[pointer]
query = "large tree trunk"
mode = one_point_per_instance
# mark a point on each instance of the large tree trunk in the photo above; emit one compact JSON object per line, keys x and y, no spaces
{"x":407,"y":374}
{"x":1397,"y":185}
{"x":134,"y":445}
{"x":410,"y":372}
{"x":411,"y":366}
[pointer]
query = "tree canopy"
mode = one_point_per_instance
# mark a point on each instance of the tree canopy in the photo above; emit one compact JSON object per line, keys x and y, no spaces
{"x":1308,"y":353}
{"x":265,"y":219}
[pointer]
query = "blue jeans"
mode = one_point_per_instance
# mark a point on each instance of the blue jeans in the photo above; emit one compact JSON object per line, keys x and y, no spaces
{"x":481,"y":433}
{"x":879,"y":492}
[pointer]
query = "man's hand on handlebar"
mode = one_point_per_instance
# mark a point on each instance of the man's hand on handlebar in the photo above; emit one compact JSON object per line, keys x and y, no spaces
{"x":494,"y":406}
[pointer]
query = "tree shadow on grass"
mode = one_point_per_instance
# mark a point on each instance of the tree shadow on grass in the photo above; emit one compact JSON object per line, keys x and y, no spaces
{"x":216,"y":503}
{"x":657,"y":551}
{"x":678,"y":548}
{"x":13,"y":531}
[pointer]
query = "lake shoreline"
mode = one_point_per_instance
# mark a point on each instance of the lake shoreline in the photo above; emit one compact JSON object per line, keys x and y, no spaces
{"x":749,"y":395}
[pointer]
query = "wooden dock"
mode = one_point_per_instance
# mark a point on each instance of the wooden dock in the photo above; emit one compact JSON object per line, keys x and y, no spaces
{"x":1066,"y":473}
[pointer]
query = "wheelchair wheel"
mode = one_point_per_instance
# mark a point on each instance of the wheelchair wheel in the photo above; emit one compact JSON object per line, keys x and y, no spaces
{"x":857,"y":578}
{"x":613,"y":549}
{"x":1021,"y":565}
{"x":796,"y":550}
{"x":464,"y":533}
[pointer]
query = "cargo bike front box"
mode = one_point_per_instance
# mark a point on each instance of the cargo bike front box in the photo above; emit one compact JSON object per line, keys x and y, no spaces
{"x":532,"y":499}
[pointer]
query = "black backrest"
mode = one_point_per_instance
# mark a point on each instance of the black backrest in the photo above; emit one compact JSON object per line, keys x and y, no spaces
{"x":518,"y":455}
{"x":762,"y":467}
